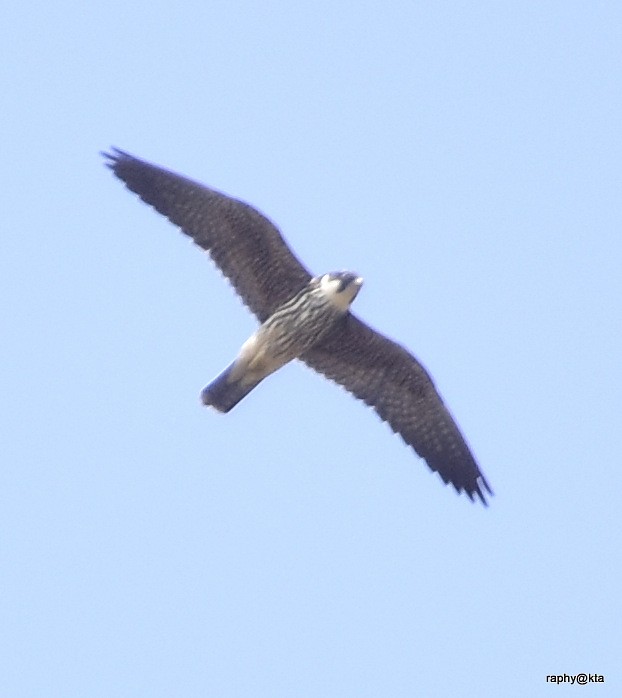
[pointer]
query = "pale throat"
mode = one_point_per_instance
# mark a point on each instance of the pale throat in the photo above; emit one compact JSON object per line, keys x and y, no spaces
{"x":339,"y":299}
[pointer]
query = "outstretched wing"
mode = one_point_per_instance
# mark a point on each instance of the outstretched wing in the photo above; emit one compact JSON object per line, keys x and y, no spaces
{"x":388,"y":378}
{"x":248,"y":248}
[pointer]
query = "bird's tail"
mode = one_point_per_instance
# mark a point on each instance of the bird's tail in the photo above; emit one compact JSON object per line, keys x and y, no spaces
{"x":225,"y":391}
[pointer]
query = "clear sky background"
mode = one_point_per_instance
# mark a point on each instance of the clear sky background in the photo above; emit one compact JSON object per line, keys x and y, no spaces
{"x":465,"y":158}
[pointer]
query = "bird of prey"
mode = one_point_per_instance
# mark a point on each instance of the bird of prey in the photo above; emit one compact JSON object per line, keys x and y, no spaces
{"x":304,"y":317}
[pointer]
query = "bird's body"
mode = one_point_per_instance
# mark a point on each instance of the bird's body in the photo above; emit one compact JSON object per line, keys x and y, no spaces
{"x":293,"y":328}
{"x":304,"y":317}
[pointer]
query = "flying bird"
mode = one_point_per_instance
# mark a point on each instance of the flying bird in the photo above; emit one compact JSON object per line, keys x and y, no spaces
{"x":304,"y":317}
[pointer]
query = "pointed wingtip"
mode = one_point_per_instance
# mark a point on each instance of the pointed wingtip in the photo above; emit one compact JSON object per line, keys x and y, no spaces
{"x":113,"y":156}
{"x":481,"y":489}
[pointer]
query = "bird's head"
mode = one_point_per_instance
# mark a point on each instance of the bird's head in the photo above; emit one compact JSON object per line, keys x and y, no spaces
{"x":341,"y":287}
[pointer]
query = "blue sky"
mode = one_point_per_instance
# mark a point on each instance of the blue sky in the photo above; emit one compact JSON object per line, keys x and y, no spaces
{"x":465,"y":159}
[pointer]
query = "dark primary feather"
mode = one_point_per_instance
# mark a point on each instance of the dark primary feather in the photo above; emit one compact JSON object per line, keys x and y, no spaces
{"x":248,"y":248}
{"x":388,"y":378}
